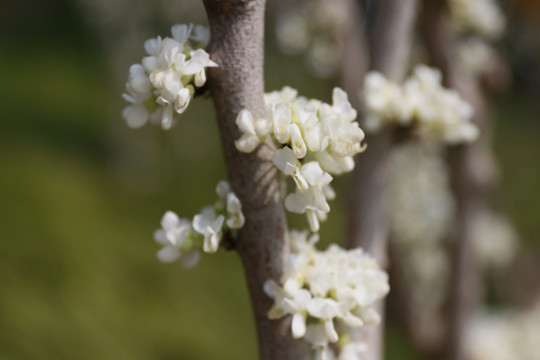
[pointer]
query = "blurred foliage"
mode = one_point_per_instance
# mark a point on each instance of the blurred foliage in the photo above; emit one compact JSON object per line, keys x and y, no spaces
{"x":80,"y":196}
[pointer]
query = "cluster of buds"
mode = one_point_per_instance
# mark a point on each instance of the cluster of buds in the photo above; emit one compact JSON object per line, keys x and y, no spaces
{"x":422,"y":102}
{"x":315,"y":139}
{"x":324,"y":289}
{"x":162,"y":86}
{"x":183,"y":239}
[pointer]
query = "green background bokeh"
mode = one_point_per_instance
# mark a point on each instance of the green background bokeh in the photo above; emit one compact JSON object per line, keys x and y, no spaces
{"x":80,"y":196}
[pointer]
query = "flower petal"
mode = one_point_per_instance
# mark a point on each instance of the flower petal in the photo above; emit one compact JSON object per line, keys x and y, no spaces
{"x":298,"y":325}
{"x":168,"y":254}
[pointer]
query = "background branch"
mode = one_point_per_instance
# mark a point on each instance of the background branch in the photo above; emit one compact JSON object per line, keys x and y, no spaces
{"x":237,"y":36}
{"x":472,"y":174}
{"x":391,"y":40}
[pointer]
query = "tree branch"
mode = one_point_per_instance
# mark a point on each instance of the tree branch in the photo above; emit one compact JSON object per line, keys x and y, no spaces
{"x":237,"y":33}
{"x":390,"y":43}
{"x":471,"y":175}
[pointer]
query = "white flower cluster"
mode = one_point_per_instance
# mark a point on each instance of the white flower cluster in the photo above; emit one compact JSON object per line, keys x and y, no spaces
{"x":183,"y":239}
{"x":313,"y":28}
{"x":330,"y":287}
{"x":316,"y":140}
{"x":418,"y":197}
{"x":422,"y":102}
{"x":420,"y":208}
{"x":504,"y":335}
{"x":477,"y":22}
{"x":482,"y":17}
{"x":162,"y":85}
{"x":473,"y":54}
{"x":495,"y":240}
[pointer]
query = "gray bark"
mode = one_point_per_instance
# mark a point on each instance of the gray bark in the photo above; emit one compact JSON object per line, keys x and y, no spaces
{"x":472,"y":172}
{"x":237,"y":35}
{"x":390,"y":44}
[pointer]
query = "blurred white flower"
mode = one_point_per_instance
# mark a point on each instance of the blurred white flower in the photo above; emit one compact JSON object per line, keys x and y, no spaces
{"x":495,"y":240}
{"x":504,"y":335}
{"x":172,"y":237}
{"x":313,"y":28}
{"x":474,"y":55}
{"x":422,"y":102}
{"x":209,"y":224}
{"x":235,"y":217}
{"x":483,"y":17}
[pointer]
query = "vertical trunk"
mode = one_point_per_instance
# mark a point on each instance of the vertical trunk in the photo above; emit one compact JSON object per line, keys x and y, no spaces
{"x":471,"y":175}
{"x":390,"y":43}
{"x":237,"y":35}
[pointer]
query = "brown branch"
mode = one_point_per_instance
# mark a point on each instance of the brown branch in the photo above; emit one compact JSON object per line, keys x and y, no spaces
{"x":390,"y":44}
{"x":237,"y":32}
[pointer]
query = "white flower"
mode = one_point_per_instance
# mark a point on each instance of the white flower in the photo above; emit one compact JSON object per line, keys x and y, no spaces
{"x":334,"y":286}
{"x":315,"y":176}
{"x":223,"y":189}
{"x":481,"y":16}
{"x":316,"y":336}
{"x":495,"y":240}
{"x":505,"y":334}
{"x":282,"y":118}
{"x":209,"y":224}
{"x":181,"y":32}
{"x":199,"y":60}
{"x":251,"y":138}
{"x":421,"y":102}
{"x":162,"y":86}
{"x":285,"y":95}
{"x":352,"y":351}
{"x":308,"y":202}
{"x":296,"y":306}
{"x":136,"y":115}
{"x":172,"y":237}
{"x":382,"y":98}
{"x":309,"y":127}
{"x":312,"y":128}
{"x":286,"y":161}
{"x":301,"y":243}
{"x":235,"y":217}
{"x":182,"y":239}
{"x":201,"y":34}
{"x":297,"y":142}
{"x":326,"y":310}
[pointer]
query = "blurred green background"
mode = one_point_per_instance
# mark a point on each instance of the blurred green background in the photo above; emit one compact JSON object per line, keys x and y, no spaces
{"x":80,"y":194}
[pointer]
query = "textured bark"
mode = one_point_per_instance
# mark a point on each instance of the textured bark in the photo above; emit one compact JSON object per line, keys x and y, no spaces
{"x":472,"y":173}
{"x":390,"y":44}
{"x":237,"y":33}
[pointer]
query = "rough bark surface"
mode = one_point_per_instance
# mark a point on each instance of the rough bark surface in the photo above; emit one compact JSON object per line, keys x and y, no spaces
{"x":237,"y":36}
{"x":390,"y":44}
